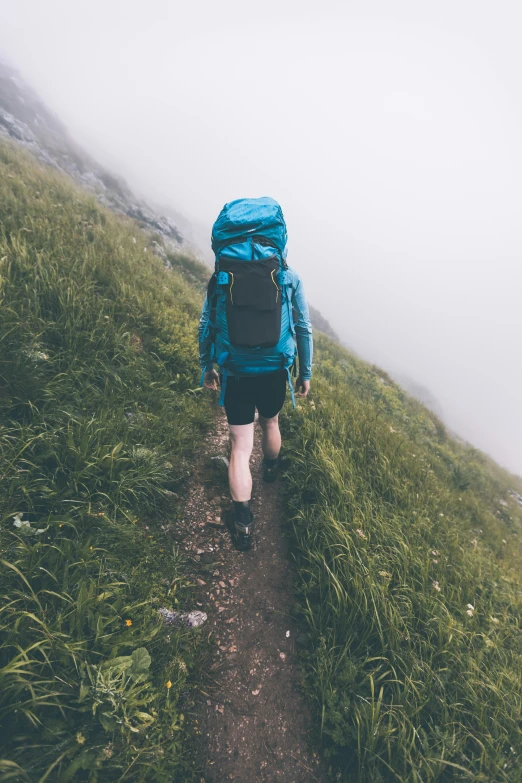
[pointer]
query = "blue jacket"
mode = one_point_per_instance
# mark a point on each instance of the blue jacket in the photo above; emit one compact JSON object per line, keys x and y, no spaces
{"x":303,"y":330}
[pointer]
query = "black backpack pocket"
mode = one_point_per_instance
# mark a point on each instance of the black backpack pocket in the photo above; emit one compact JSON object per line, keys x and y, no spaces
{"x":253,"y":302}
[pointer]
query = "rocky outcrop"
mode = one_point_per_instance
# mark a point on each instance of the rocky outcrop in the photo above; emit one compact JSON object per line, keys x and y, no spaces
{"x":25,"y":119}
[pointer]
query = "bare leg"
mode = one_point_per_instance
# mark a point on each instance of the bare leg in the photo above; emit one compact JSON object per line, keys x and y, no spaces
{"x":239,"y":476}
{"x":271,"y":436}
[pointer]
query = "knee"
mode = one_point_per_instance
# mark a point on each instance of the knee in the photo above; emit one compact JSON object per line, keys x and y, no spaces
{"x":269,"y":424}
{"x":241,"y":444}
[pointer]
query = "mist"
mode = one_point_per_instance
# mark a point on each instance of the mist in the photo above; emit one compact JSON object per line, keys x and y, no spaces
{"x":389,"y":133}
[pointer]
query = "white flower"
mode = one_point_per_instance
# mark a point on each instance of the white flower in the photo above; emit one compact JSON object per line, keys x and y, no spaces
{"x":469,"y":612}
{"x":470,"y":606}
{"x":19,"y":522}
{"x":436,"y":586}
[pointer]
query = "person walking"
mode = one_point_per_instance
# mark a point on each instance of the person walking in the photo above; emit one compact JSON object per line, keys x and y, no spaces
{"x":254,"y":325}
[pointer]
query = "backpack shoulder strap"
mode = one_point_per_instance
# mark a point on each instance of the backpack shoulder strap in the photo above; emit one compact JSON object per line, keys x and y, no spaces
{"x":212,"y":300}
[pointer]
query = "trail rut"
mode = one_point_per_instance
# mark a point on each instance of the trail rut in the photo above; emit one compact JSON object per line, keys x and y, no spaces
{"x":254,"y":722}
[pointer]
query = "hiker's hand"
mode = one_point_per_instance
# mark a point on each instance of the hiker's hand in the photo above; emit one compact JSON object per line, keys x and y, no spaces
{"x":211,"y":380}
{"x":303,"y":387}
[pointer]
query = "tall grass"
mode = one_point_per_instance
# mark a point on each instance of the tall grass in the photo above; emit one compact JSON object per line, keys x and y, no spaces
{"x":408,"y":552}
{"x":98,"y":423}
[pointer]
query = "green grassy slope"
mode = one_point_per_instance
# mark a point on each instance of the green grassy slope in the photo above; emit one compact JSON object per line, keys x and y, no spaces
{"x":98,"y":423}
{"x":409,"y":563}
{"x":396,"y":529}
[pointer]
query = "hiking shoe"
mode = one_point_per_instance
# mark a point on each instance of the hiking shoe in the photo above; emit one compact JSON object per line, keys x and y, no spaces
{"x":270,"y":468}
{"x":242,"y":537}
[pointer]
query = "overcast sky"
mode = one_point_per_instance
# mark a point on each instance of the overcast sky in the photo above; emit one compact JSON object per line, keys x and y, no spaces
{"x":390,"y":132}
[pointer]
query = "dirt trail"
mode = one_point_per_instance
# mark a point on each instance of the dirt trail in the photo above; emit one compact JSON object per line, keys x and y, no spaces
{"x":254,"y":722}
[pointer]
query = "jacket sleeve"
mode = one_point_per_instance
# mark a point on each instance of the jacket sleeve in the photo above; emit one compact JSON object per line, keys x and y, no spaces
{"x":204,"y":343}
{"x":303,"y":330}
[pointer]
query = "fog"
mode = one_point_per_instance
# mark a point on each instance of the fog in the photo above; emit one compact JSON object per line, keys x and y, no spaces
{"x":389,"y":132}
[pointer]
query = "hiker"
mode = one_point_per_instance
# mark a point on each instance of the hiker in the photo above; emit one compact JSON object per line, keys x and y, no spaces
{"x":253,"y":324}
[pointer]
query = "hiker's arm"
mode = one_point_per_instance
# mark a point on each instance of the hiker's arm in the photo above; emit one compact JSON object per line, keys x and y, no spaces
{"x":303,"y":331}
{"x":205,"y":344}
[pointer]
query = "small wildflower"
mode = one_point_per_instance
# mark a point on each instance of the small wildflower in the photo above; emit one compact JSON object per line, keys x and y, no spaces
{"x":435,"y":553}
{"x":436,"y":586}
{"x":385,"y":573}
{"x":183,"y":666}
{"x":392,"y":430}
{"x":90,"y":548}
{"x":80,"y":739}
{"x":168,"y":685}
{"x":470,"y":610}
{"x":360,"y":533}
{"x":128,"y":623}
{"x":19,"y":522}
{"x":60,"y":525}
{"x":441,"y":514}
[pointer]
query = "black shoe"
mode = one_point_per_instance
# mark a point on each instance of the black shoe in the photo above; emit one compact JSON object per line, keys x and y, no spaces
{"x":270,"y":469}
{"x":240,"y":534}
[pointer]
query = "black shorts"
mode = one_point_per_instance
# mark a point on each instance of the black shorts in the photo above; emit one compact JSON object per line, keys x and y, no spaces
{"x":266,"y":392}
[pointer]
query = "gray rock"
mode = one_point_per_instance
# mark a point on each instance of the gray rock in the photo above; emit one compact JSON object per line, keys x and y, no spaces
{"x":26,"y":120}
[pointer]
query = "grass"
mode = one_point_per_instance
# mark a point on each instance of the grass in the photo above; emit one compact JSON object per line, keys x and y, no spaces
{"x":407,"y":543}
{"x":408,"y":566}
{"x":99,"y":419}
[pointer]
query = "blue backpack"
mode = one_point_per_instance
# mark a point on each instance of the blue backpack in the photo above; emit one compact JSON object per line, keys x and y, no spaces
{"x":251,"y":325}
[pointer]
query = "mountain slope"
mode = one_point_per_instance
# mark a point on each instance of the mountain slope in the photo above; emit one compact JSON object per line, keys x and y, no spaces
{"x":407,"y":542}
{"x":98,"y":422}
{"x":25,"y":119}
{"x":408,"y":547}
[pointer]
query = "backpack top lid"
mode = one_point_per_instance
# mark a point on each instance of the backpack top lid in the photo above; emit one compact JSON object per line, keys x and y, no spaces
{"x":246,"y":217}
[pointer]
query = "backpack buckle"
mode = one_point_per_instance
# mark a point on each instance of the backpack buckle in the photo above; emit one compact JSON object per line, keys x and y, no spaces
{"x":222,"y":278}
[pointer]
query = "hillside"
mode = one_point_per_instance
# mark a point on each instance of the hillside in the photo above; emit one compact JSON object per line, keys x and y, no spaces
{"x":408,"y":550}
{"x":27,"y":120}
{"x":406,"y":542}
{"x":99,"y":418}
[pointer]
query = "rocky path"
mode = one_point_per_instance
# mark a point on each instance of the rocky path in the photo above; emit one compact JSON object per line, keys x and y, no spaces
{"x":254,"y":723}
